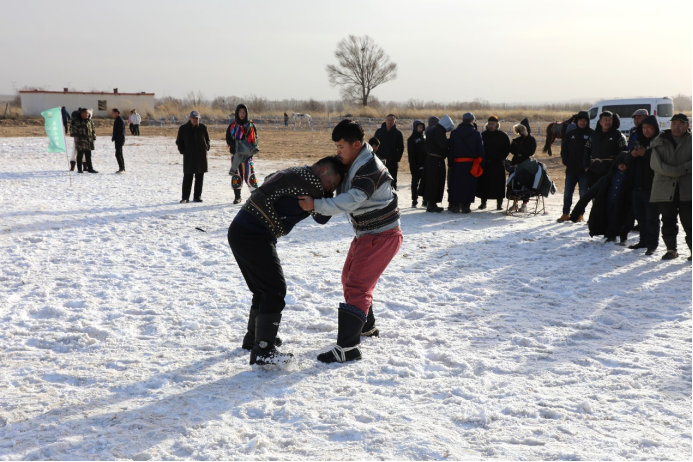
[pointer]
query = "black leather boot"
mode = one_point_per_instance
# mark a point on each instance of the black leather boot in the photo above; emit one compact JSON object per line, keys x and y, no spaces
{"x":369,"y":329}
{"x":72,"y":165}
{"x":264,"y":352}
{"x":249,"y":339}
{"x":237,"y":196}
{"x":350,"y":325}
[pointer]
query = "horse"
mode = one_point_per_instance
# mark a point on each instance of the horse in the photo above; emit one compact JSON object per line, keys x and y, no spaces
{"x":301,"y":117}
{"x":556,"y":130}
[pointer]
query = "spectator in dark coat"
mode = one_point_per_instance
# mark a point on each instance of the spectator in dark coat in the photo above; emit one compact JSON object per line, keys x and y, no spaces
{"x":491,"y":183}
{"x":524,"y":146}
{"x":375,"y":144}
{"x":605,"y":143}
{"x":391,"y":146}
{"x":671,"y":186}
{"x":465,"y":157}
{"x":437,"y":147}
{"x":637,"y":117}
{"x":572,"y":153}
{"x":416,"y":151}
{"x":611,"y":210}
{"x":66,"y":117}
{"x":193,"y":144}
{"x":638,"y":161}
{"x":82,"y":130}
{"x":432,"y":122}
{"x":118,"y":138}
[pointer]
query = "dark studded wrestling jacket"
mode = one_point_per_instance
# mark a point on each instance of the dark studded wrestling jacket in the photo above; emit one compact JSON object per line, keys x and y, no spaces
{"x":291,"y":182}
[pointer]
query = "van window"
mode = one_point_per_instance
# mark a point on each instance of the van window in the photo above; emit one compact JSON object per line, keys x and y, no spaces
{"x":625,"y":111}
{"x":593,"y":113}
{"x":665,"y":110}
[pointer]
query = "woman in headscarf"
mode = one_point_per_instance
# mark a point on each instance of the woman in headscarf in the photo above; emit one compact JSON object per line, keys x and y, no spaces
{"x":242,"y":130}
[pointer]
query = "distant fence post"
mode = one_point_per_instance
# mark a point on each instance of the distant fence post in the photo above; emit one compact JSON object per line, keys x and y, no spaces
{"x":311,"y":124}
{"x":369,"y":125}
{"x":173,"y":120}
{"x":215,"y":121}
{"x":260,"y":123}
{"x":161,"y":122}
{"x":294,"y":123}
{"x":276,"y":123}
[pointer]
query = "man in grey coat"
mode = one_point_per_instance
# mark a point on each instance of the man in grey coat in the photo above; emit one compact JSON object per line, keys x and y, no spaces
{"x":671,"y":187}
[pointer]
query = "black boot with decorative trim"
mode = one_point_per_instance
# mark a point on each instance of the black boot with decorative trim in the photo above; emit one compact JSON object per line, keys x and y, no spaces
{"x":350,"y":325}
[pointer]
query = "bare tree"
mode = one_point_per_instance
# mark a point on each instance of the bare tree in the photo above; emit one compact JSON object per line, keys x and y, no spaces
{"x":363,"y":65}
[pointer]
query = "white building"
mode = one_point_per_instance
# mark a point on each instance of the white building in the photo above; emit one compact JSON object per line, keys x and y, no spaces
{"x":35,"y":102}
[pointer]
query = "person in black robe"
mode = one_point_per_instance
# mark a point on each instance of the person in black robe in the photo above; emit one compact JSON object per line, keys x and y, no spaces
{"x":437,"y":147}
{"x":492,"y":182}
{"x":416,"y":151}
{"x":465,"y":158}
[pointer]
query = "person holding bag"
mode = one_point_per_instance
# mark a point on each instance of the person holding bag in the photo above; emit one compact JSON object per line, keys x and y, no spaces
{"x":241,"y":137}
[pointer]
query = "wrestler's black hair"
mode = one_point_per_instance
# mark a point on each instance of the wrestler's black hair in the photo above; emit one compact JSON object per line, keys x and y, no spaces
{"x":390,"y":115}
{"x":348,"y":130}
{"x":333,"y":164}
{"x":374,"y":141}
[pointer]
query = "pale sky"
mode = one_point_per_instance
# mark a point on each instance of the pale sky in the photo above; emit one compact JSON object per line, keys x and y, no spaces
{"x":501,"y":51}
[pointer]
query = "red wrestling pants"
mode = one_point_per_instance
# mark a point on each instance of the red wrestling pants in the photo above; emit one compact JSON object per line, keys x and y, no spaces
{"x":366,"y":261}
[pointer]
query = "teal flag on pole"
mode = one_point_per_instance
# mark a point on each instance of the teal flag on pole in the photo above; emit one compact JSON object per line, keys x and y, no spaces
{"x":54,"y":129}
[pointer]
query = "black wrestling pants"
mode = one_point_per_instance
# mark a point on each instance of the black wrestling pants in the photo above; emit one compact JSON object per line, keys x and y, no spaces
{"x":256,"y":255}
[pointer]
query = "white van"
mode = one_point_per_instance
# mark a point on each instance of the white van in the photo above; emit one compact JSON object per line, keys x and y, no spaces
{"x":663,"y":108}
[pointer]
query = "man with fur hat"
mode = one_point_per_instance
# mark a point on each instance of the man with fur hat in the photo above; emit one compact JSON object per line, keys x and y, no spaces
{"x":605,"y":143}
{"x":491,"y":183}
{"x":416,"y":151}
{"x":572,"y":153}
{"x":366,"y":194}
{"x":671,"y":185}
{"x":193,"y":144}
{"x":638,"y":161}
{"x":522,"y":148}
{"x":437,"y":148}
{"x":465,"y":157}
{"x":241,"y":131}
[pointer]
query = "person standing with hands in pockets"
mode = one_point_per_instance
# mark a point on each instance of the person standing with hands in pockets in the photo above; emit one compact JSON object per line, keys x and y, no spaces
{"x":193,"y":144}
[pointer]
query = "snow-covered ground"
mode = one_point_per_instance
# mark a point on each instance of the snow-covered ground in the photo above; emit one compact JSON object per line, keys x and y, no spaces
{"x":502,"y":338}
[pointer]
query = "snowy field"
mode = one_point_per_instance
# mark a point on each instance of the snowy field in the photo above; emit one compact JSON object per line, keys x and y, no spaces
{"x":502,"y":338}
